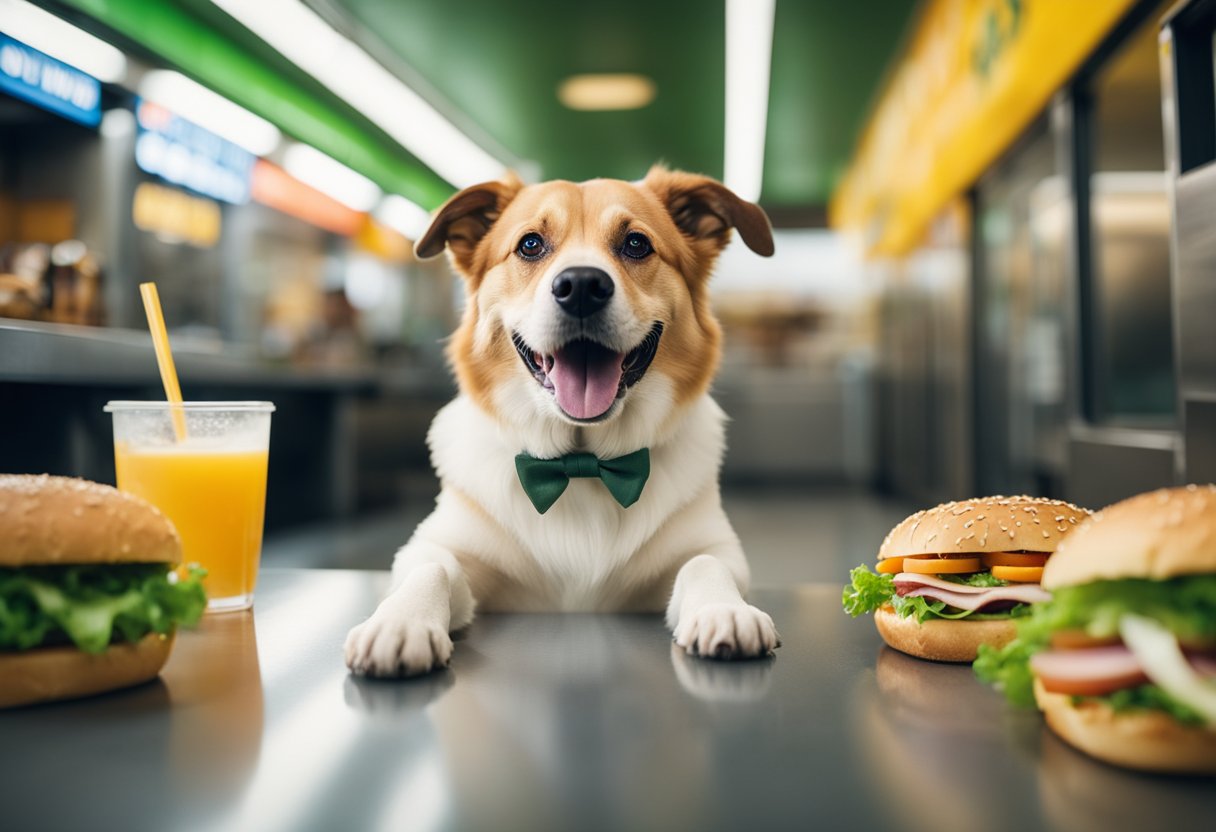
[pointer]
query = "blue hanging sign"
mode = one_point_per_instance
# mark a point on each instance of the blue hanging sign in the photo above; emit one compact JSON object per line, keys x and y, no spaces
{"x":185,"y":154}
{"x":38,"y":78}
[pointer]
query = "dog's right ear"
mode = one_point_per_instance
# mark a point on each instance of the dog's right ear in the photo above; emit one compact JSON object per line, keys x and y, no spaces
{"x":462,"y":221}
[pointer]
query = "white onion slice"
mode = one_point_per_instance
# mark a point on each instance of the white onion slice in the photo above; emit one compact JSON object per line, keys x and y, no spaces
{"x":1163,"y":662}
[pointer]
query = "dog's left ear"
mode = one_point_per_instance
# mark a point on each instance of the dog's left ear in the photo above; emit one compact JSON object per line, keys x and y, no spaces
{"x":462,"y":221}
{"x":705,"y":210}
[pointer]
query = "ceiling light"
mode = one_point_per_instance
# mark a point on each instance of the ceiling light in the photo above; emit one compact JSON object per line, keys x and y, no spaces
{"x":312,"y":167}
{"x":616,"y":91}
{"x":210,"y":110}
{"x":749,"y":48}
{"x":401,"y":215}
{"x":310,"y":43}
{"x":62,"y":41}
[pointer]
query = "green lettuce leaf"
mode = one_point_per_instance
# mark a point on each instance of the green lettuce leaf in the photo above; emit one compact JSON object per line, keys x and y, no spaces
{"x":869,"y":591}
{"x":1187,"y":606}
{"x":1148,"y":697}
{"x":975,"y":579}
{"x":1008,"y":668}
{"x":92,"y":605}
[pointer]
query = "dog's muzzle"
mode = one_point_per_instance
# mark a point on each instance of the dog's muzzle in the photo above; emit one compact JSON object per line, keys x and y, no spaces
{"x":585,"y":377}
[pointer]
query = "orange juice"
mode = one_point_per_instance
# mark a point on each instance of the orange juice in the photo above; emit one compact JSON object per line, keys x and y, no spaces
{"x":217,"y":500}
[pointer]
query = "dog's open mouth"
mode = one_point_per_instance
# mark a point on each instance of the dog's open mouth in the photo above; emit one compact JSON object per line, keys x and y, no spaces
{"x":584,"y":376}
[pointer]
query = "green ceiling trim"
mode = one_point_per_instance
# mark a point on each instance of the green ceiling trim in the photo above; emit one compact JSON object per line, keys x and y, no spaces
{"x":206,"y":54}
{"x":500,"y":64}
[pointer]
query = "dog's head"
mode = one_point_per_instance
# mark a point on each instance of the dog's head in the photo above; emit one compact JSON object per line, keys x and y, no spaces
{"x":586,"y":297}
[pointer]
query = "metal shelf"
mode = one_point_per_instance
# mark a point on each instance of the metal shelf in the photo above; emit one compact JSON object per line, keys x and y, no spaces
{"x":75,"y":355}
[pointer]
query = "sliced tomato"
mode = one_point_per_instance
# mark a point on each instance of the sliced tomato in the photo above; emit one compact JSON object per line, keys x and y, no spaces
{"x":943,"y":555}
{"x":1094,"y":671}
{"x":1018,"y":574}
{"x":890,"y":566}
{"x":942,"y":566}
{"x":1014,"y":559}
{"x":1079,"y":640}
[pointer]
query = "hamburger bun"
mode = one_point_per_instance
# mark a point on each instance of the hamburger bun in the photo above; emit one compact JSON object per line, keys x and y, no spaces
{"x":1162,"y":534}
{"x":59,"y":521}
{"x":984,"y":524}
{"x":45,"y":674}
{"x":941,"y":640}
{"x":1159,"y":535}
{"x":46,"y":520}
{"x":1144,"y":740}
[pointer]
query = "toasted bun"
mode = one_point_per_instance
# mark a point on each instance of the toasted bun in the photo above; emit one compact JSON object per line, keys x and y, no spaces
{"x":1145,"y":740}
{"x":941,"y":640}
{"x":1158,"y":535}
{"x":47,"y":520}
{"x":985,"y":524}
{"x":49,"y":673}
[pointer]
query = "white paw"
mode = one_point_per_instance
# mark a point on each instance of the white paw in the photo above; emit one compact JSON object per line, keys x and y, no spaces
{"x":727,"y":631}
{"x":386,"y":645}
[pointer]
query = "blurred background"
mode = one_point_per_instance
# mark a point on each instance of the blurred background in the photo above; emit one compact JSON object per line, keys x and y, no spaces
{"x":995,"y":267}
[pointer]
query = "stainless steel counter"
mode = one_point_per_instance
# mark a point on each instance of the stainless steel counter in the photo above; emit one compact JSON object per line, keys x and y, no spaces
{"x":578,"y":722}
{"x":100,"y":356}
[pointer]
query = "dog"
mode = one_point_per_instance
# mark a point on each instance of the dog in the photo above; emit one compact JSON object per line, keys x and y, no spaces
{"x":579,"y":462}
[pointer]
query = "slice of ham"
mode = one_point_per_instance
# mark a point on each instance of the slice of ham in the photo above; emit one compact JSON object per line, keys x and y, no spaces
{"x":914,"y":579}
{"x":973,"y":598}
{"x":1097,"y":671}
{"x":1092,"y":671}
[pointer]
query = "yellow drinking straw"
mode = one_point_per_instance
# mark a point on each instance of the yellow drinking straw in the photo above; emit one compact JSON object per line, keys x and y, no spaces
{"x":164,"y":357}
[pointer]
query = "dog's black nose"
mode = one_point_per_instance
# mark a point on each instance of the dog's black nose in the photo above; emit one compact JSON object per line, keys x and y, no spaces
{"x":582,"y":291}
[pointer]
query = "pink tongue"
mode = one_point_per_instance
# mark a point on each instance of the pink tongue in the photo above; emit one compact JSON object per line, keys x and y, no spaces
{"x":585,"y":378}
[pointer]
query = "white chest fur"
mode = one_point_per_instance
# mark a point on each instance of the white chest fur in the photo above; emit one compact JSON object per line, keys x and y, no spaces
{"x":584,"y":544}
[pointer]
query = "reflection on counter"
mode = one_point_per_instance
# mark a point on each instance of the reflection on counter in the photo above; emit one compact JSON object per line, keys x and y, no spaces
{"x":716,"y":681}
{"x":924,"y":725}
{"x":215,"y":687}
{"x":1080,"y":794}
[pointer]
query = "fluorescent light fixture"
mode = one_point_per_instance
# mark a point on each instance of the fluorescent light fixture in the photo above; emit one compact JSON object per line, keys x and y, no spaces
{"x":342,"y":66}
{"x":399,"y":214}
{"x":62,"y":41}
{"x":749,"y":49}
{"x":312,"y":167}
{"x":607,"y":91}
{"x":117,"y":123}
{"x":210,"y":110}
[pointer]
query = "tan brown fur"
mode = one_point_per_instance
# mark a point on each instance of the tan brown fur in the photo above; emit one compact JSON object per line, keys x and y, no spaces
{"x":687,"y":217}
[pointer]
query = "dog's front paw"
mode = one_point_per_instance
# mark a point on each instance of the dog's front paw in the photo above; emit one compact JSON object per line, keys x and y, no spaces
{"x":727,"y":631}
{"x":388,"y":646}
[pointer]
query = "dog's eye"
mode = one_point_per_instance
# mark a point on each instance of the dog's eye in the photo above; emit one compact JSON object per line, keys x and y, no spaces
{"x":636,"y":245}
{"x":531,"y":246}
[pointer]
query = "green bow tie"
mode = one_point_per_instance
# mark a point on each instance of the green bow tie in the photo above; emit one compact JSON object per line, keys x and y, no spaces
{"x":544,"y":480}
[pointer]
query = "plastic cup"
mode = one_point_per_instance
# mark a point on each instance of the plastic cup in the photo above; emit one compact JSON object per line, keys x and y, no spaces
{"x":211,"y":484}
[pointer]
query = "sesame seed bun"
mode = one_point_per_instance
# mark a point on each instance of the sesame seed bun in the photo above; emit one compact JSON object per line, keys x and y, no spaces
{"x":1161,"y":534}
{"x":1145,"y":740}
{"x":59,"y":521}
{"x":941,"y":640}
{"x":984,"y":524}
{"x":46,"y":520}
